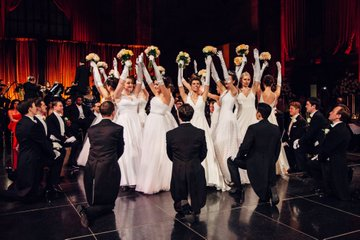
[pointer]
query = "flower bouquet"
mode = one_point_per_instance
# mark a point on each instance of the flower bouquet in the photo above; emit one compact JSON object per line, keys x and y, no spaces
{"x":265,"y":56}
{"x":102,"y":64}
{"x":209,"y":50}
{"x":152,"y":50}
{"x":92,"y":57}
{"x":202,"y":73}
{"x":238,"y":61}
{"x":242,"y":49}
{"x":125,"y":55}
{"x":183,"y":59}
{"x":162,"y":70}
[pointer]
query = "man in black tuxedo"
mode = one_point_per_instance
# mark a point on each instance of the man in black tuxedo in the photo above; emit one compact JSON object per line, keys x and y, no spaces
{"x":333,"y":154}
{"x":31,"y":89}
{"x":82,"y":77}
{"x":186,"y":148}
{"x":61,"y":137}
{"x":258,"y":154}
{"x":311,"y":141}
{"x":294,"y":130}
{"x":102,"y":172}
{"x":33,"y":147}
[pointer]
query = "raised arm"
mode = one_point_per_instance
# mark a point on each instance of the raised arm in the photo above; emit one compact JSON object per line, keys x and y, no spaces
{"x":208,"y":62}
{"x":97,"y":80}
{"x":278,"y":81}
{"x":148,"y":79}
{"x":228,"y":80}
{"x":239,"y":69}
{"x":139,"y":77}
{"x":180,"y":82}
{"x":216,"y":78}
{"x":164,"y":90}
{"x":256,"y":75}
{"x":123,"y":76}
{"x":115,"y":67}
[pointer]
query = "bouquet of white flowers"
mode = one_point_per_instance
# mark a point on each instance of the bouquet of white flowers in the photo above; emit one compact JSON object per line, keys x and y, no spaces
{"x":266,"y":56}
{"x":202,"y":73}
{"x":92,"y":57}
{"x":209,"y":50}
{"x":183,"y":59}
{"x":102,"y":65}
{"x":152,"y":50}
{"x":242,"y":49}
{"x":125,"y":55}
{"x":162,"y":70}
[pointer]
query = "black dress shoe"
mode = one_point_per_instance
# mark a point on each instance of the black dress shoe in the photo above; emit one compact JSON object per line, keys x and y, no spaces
{"x":83,"y":217}
{"x":274,"y":196}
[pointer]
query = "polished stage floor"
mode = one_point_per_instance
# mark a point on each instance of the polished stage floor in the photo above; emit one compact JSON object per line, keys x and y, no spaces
{"x":301,"y":214}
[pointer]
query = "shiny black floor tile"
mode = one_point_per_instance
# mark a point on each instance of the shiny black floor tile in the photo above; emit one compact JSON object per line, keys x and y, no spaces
{"x":55,"y":223}
{"x":350,"y":236}
{"x":242,"y":223}
{"x":163,"y":230}
{"x":313,"y":219}
{"x":352,"y":207}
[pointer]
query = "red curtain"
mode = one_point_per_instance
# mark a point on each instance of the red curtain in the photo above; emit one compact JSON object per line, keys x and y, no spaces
{"x":26,"y":59}
{"x":5,"y":7}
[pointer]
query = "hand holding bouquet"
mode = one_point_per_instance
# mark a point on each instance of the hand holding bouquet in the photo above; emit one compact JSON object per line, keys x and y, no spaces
{"x":183,"y":59}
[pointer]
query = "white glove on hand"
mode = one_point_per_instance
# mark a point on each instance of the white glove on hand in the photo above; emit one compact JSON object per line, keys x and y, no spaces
{"x":57,"y":154}
{"x":296,"y":144}
{"x":220,"y":55}
{"x":151,"y":58}
{"x":195,"y":66}
{"x":102,"y":71}
{"x":56,"y":145}
{"x":181,"y":63}
{"x":53,"y":138}
{"x":93,"y":64}
{"x":244,"y":59}
{"x":70,"y":140}
{"x":115,"y":63}
{"x":285,"y":144}
{"x":141,"y":58}
{"x":128,"y":63}
{"x":315,"y":158}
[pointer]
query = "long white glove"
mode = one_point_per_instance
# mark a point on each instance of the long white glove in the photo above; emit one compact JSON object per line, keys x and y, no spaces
{"x":102,"y":71}
{"x":223,"y":65}
{"x":70,"y":140}
{"x":239,"y":69}
{"x":96,"y":74}
{"x":195,"y":66}
{"x":146,"y":74}
{"x":180,"y":76}
{"x":156,"y":69}
{"x":115,"y":67}
{"x":56,"y":145}
{"x":125,"y":71}
{"x":278,"y":82}
{"x":53,"y":138}
{"x":256,"y":66}
{"x":208,"y":61}
{"x":264,"y":65}
{"x":214,"y":73}
{"x":139,"y":72}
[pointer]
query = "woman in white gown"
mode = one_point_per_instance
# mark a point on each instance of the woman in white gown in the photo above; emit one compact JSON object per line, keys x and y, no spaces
{"x":226,"y":135}
{"x":155,"y":166}
{"x":212,"y":170}
{"x":270,"y":97}
{"x":143,"y":99}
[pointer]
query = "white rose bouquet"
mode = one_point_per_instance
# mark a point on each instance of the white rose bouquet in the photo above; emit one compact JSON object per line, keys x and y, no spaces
{"x":209,"y":50}
{"x":183,"y":59}
{"x":162,"y":70}
{"x":152,"y":50}
{"x":266,"y":56}
{"x":238,"y":61}
{"x":102,"y":64}
{"x":125,"y":55}
{"x":242,"y":49}
{"x":92,"y":57}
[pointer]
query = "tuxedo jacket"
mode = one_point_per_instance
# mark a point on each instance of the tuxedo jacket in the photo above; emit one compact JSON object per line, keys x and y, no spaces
{"x":333,"y":152}
{"x":102,"y":172}
{"x":82,"y":78}
{"x":297,"y":130}
{"x":260,"y":149}
{"x":31,"y":90}
{"x":53,"y":125}
{"x":73,"y":113}
{"x":314,"y":134}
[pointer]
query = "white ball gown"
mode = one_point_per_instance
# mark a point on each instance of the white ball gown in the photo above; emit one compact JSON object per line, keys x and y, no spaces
{"x":155,"y":166}
{"x":142,"y":112}
{"x":282,"y":165}
{"x":84,"y":153}
{"x":246,"y":117}
{"x":213,"y":173}
{"x":128,"y":118}
{"x":226,"y":135}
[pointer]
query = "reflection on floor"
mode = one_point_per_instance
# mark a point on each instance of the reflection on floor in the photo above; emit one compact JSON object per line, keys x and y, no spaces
{"x":301,"y":214}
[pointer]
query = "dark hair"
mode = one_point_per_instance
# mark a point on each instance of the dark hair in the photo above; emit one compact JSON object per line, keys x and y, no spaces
{"x":296,"y":105}
{"x":264,"y":109}
{"x":107,"y":108}
{"x":112,"y":82}
{"x":186,"y":112}
{"x":55,"y":102}
{"x":344,"y":112}
{"x":195,"y":79}
{"x":13,"y":103}
{"x":233,"y":76}
{"x":24,"y":106}
{"x":268,"y":80}
{"x":314,"y":101}
{"x":38,"y":102}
